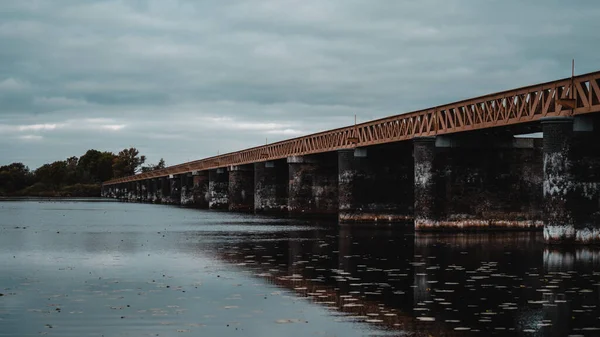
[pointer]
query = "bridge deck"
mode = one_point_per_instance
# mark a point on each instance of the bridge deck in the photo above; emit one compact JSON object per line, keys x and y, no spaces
{"x":511,"y":107}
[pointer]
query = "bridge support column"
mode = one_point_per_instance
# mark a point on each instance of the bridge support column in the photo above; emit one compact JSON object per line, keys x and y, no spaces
{"x":218,"y":189}
{"x":137,"y":191}
{"x":372,"y":184}
{"x":200,"y":193}
{"x":571,"y":182}
{"x":241,"y":188}
{"x":271,"y":187}
{"x":133,"y":191}
{"x":187,"y":185}
{"x":424,"y":183}
{"x":313,"y":185}
{"x":143,"y":190}
{"x":153,"y":189}
{"x":130,"y":192}
{"x":174,"y":196}
{"x":122,"y":191}
{"x":478,"y":182}
{"x":164,"y":190}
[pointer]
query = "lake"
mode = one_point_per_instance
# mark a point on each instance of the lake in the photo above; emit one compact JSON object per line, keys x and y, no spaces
{"x":103,"y":268}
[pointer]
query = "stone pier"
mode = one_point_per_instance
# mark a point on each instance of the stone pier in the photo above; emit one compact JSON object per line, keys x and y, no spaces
{"x":241,"y":188}
{"x":478,"y":182}
{"x":122,"y":192}
{"x":271,"y":187}
{"x":174,"y":197}
{"x":137,"y":197}
{"x":313,"y":185}
{"x":218,"y":189}
{"x":163,"y":189}
{"x":375,"y":185}
{"x":154,"y":192}
{"x":143,"y":191}
{"x":187,"y":186}
{"x":424,"y":183}
{"x":571,"y":188}
{"x":200,"y":193}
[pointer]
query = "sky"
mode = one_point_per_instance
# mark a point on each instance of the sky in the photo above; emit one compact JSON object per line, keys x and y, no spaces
{"x":188,"y":79}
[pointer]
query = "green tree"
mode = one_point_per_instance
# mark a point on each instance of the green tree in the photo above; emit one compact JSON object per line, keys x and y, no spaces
{"x":14,"y":177}
{"x":105,"y":166}
{"x":53,"y":174}
{"x":161,"y":165}
{"x":71,"y":174}
{"x":95,"y":166}
{"x":127,"y":162}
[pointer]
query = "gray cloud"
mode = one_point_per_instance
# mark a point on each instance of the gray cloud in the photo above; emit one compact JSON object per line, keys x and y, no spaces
{"x":184,"y":79}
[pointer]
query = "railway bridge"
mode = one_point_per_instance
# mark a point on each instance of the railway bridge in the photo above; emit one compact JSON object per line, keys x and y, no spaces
{"x":460,"y":166}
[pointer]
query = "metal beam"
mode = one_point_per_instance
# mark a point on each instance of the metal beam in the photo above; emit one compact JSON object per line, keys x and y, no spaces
{"x":517,"y":106}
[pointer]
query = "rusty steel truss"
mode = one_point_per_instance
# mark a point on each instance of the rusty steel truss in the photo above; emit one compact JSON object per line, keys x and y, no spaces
{"x":570,"y":96}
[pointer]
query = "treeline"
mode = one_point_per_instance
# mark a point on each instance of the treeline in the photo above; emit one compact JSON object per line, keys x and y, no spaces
{"x":73,"y":177}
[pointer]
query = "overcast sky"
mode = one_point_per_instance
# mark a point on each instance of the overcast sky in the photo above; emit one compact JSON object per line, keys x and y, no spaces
{"x":185,"y":79}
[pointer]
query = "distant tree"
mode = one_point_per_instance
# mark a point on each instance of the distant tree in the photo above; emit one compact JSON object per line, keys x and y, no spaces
{"x":105,"y":166}
{"x":95,"y":166}
{"x":161,"y":165}
{"x":71,"y":174}
{"x":127,"y":163}
{"x":53,"y":174}
{"x":14,"y":177}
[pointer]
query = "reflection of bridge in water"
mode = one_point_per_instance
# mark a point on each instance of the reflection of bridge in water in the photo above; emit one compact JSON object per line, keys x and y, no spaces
{"x":496,"y":283}
{"x":307,"y":268}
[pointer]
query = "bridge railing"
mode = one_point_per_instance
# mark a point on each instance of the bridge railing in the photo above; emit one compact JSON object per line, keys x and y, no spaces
{"x":575,"y":96}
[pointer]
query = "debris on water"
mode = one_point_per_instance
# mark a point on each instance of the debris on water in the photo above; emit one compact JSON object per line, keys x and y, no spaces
{"x":285,"y":321}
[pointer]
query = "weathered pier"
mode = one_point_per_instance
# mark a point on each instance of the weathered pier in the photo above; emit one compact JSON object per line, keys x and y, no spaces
{"x":460,"y":166}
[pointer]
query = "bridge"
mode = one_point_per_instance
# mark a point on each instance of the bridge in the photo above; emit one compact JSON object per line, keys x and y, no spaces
{"x":457,"y":166}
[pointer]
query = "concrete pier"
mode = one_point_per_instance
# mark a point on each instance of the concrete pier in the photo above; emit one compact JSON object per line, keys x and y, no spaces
{"x":200,"y":193}
{"x":144,"y":191}
{"x":241,"y":188}
{"x":218,"y":189}
{"x":426,"y":212}
{"x":375,"y":186}
{"x":479,"y":182}
{"x":187,"y":186}
{"x":155,"y":191}
{"x":174,"y":197}
{"x":271,"y":187}
{"x":571,"y":189}
{"x":313,"y":185}
{"x":165,"y":190}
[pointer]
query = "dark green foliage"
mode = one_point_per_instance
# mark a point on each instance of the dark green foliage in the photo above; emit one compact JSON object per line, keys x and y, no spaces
{"x":127,"y":163}
{"x":161,"y":165}
{"x":14,"y":177}
{"x":73,"y":177}
{"x":95,"y":166}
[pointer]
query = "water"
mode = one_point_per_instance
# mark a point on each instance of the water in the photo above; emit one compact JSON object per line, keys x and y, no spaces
{"x":80,"y":268}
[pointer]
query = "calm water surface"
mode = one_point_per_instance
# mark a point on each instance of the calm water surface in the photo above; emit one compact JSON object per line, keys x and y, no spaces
{"x":82,"y":268}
